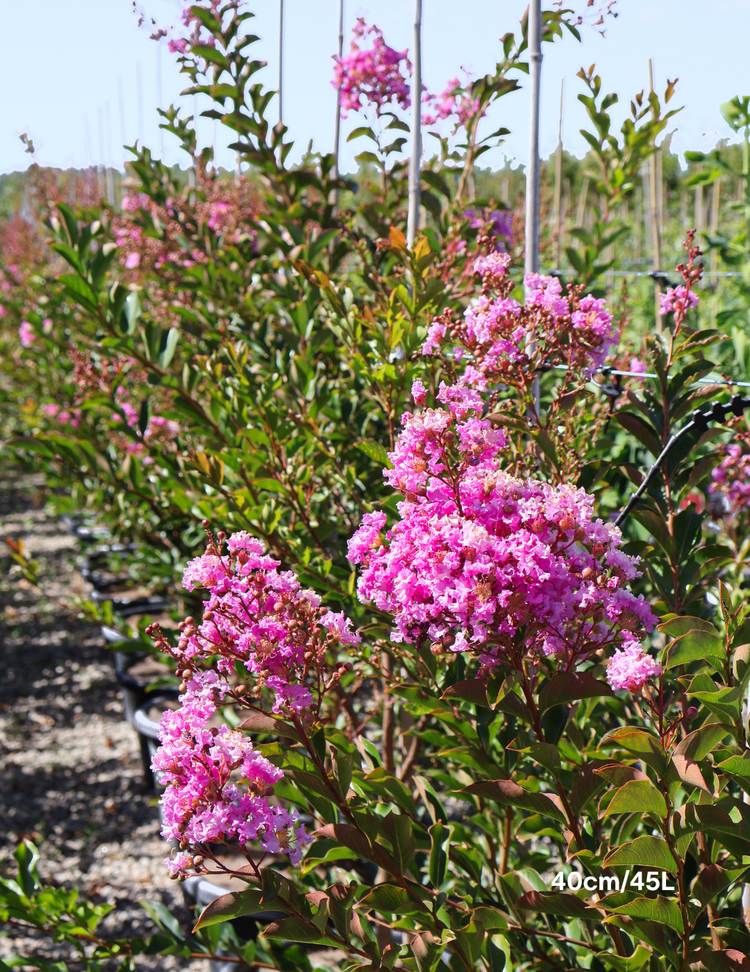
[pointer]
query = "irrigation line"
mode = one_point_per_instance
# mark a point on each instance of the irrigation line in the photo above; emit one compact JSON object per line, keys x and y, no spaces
{"x":654,"y":274}
{"x":700,"y":420}
{"x":647,"y":374}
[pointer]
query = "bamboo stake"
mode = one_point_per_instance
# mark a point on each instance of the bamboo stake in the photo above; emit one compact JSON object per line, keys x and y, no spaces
{"x":715,"y":204}
{"x":698,"y":209}
{"x":531,"y":262}
{"x":416,"y":129}
{"x":139,"y":82}
{"x":532,"y":173}
{"x":281,"y":61}
{"x":655,"y":229}
{"x":558,"y":180}
{"x":337,"y":129}
{"x":158,"y":97}
{"x":581,"y":211}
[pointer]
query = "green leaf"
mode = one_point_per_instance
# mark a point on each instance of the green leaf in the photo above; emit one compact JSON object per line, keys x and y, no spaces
{"x":664,"y":911}
{"x":619,"y":963}
{"x":168,"y":345}
{"x":472,"y":690}
{"x":697,"y":745}
{"x":27,"y":855}
{"x":736,"y":765}
{"x":440,"y":841}
{"x":558,"y":903}
{"x":637,"y":796}
{"x":641,"y":744}
{"x":644,"y":851}
{"x":693,"y":646}
{"x":232,"y":905}
{"x":714,"y":880}
{"x":510,"y":794}
{"x":296,"y":930}
{"x":398,"y":829}
{"x":375,"y":451}
{"x":569,"y":687}
{"x":427,"y":951}
{"x":392,"y":900}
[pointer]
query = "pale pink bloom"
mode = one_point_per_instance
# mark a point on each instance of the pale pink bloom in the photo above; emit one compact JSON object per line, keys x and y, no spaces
{"x":371,"y":76}
{"x":132,"y":261}
{"x":677,"y":300}
{"x":418,"y":392}
{"x":26,"y":334}
{"x":631,"y":668}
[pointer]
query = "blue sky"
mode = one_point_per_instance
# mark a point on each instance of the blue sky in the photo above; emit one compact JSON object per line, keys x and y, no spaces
{"x":70,"y":69}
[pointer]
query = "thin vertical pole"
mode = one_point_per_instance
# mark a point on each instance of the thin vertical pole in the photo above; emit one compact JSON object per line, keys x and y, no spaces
{"x":158,"y":97}
{"x":655,"y":229}
{"x":121,"y":102}
{"x":337,"y":129}
{"x":531,"y":262}
{"x":558,"y":181}
{"x":581,"y":211}
{"x":139,"y":82}
{"x":532,"y":176}
{"x":715,"y":204}
{"x":108,"y":159}
{"x":416,"y":129}
{"x":281,"y":61}
{"x":101,"y":180}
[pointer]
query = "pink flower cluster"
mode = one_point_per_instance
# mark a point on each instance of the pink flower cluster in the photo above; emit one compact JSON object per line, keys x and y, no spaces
{"x":480,"y":561}
{"x":159,"y":430}
{"x":631,"y":668}
{"x":223,"y":206}
{"x":260,"y":616}
{"x":507,"y":341}
{"x":26,"y":334}
{"x":731,"y":478}
{"x":455,"y":102}
{"x":677,"y":300}
{"x":218,"y":785}
{"x":372,"y":76}
{"x":64,"y":415}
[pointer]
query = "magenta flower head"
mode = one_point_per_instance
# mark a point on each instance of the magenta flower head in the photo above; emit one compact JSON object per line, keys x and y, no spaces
{"x":261,"y":617}
{"x":507,"y":340}
{"x":631,"y":668}
{"x":485,"y":563}
{"x":677,"y":300}
{"x":372,"y":76}
{"x":217,"y":785}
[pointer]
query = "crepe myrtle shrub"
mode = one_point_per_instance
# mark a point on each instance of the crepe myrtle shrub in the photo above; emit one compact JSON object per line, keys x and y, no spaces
{"x":553,"y":775}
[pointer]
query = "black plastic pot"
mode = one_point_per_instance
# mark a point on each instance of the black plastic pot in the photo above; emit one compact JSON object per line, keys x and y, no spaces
{"x":134,"y":684}
{"x":148,"y":733}
{"x":128,"y":606}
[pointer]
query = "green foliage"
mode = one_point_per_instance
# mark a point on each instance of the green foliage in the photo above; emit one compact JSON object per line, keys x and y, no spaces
{"x":284,"y":354}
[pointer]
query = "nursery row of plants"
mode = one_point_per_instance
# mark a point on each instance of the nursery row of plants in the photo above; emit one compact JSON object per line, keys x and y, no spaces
{"x":446,"y":566}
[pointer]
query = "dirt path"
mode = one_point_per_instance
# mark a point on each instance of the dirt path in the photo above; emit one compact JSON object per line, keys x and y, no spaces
{"x":71,"y":774}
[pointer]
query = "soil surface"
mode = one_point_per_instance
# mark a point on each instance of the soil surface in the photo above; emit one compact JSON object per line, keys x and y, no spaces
{"x":72,"y":779}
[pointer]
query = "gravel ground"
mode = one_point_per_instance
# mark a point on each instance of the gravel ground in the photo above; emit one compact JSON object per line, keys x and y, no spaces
{"x":71,"y":774}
